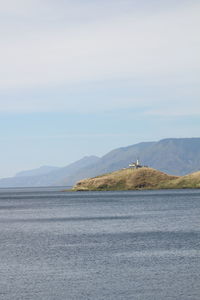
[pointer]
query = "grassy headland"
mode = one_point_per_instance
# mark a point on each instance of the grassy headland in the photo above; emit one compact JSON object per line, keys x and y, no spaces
{"x":138,"y":179}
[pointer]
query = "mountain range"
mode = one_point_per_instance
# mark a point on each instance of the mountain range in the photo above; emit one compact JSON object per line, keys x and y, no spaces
{"x":173,"y":156}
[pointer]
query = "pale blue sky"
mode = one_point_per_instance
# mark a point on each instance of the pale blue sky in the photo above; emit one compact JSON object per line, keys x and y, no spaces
{"x":83,"y":77}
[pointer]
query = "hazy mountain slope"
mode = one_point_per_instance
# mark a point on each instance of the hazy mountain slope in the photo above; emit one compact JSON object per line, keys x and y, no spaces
{"x":36,"y":172}
{"x":50,"y":178}
{"x":174,"y":156}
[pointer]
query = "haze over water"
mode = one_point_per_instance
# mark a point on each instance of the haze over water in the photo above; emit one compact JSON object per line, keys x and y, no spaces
{"x":99,"y":245}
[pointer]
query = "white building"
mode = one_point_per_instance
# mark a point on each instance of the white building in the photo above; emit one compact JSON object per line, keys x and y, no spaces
{"x":136,"y":165}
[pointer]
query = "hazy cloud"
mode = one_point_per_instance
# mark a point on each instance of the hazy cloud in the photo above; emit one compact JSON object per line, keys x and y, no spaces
{"x":46,"y":44}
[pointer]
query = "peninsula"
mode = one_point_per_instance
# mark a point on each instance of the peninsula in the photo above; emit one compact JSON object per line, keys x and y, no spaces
{"x":143,"y":178}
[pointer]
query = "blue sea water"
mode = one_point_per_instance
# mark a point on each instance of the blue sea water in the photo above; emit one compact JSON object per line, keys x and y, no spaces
{"x":142,"y":245}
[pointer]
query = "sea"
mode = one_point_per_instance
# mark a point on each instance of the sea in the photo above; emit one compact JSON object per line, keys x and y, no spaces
{"x":57,"y":245}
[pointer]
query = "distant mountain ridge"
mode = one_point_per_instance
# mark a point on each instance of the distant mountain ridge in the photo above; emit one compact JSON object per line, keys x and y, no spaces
{"x":35,"y":172}
{"x":175,"y":156}
{"x":51,"y":178}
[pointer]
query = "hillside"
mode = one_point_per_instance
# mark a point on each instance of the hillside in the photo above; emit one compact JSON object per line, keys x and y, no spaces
{"x":138,"y":179}
{"x":183,"y":182}
{"x":126,"y":179}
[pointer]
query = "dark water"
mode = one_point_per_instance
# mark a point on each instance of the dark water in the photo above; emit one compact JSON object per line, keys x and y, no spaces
{"x":99,"y":245}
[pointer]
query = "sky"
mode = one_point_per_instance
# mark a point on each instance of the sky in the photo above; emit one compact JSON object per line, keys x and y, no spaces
{"x":82,"y":77}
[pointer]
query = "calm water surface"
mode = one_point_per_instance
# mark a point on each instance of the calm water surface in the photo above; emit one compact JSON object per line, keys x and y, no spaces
{"x":99,"y":245}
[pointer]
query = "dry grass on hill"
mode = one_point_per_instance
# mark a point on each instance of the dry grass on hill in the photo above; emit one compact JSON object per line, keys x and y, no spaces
{"x":126,"y":179}
{"x":183,"y":182}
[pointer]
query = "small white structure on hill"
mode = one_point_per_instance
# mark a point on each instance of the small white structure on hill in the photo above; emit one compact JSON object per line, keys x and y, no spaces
{"x":136,"y":165}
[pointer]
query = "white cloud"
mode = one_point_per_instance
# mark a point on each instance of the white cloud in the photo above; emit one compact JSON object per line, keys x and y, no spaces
{"x":119,"y":47}
{"x":163,"y":45}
